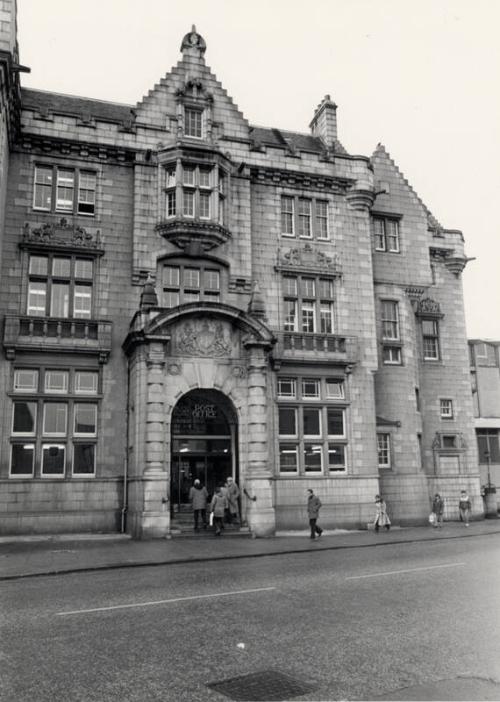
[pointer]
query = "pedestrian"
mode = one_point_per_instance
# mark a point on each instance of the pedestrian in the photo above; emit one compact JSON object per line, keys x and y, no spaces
{"x":218,"y":507}
{"x":198,"y":496}
{"x":232,"y":495}
{"x":313,"y":507}
{"x":381,"y":516}
{"x":438,"y":510}
{"x":464,"y":507}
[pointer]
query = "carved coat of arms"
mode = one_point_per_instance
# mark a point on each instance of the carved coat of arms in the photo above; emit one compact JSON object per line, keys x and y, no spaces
{"x":204,"y":337}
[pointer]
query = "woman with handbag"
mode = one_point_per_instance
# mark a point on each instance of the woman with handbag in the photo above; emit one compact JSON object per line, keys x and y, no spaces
{"x":218,"y":508}
{"x":381,"y":517}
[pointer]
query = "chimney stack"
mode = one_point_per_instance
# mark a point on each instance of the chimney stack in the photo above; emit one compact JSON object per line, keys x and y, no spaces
{"x":324,"y":122}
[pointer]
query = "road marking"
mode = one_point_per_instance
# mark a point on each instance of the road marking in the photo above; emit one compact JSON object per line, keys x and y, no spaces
{"x":158,"y":602}
{"x":409,"y":570}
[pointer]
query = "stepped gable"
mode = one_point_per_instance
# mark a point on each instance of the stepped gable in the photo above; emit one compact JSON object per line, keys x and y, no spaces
{"x":161,"y":101}
{"x":294,"y":141}
{"x":382,"y":152}
{"x":47,"y":103}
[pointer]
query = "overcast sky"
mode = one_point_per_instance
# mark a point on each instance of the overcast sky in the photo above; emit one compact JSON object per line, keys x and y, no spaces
{"x":421,"y":77}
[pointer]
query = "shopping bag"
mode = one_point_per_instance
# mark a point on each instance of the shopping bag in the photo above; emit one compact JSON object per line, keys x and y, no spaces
{"x":211,"y":519}
{"x":432,"y":518}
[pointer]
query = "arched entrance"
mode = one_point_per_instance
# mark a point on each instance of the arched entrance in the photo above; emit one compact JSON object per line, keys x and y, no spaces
{"x":204,"y":445}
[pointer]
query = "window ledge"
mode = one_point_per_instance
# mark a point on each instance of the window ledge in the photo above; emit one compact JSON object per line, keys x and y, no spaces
{"x":181,"y":232}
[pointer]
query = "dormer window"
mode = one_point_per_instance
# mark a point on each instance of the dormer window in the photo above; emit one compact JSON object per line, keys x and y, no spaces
{"x":193,"y":122}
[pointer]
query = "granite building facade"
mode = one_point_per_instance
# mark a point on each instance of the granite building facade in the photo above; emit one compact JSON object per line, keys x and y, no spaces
{"x":187,"y":295}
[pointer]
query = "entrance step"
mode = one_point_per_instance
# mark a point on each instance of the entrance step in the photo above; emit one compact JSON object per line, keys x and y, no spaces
{"x":187,"y":530}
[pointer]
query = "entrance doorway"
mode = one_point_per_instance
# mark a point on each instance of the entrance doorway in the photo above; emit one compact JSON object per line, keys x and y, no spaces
{"x":203,"y":445}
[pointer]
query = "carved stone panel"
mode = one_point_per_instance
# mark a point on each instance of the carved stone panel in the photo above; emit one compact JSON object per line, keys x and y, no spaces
{"x":206,"y":337}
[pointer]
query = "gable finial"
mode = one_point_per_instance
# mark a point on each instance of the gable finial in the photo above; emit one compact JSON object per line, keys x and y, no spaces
{"x":193,"y":43}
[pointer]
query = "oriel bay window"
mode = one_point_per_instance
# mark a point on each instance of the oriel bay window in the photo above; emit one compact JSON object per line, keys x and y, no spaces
{"x":182,"y":283}
{"x":69,"y":190}
{"x":60,"y":286}
{"x":54,"y":437}
{"x":312,"y":438}
{"x":308,"y":304}
{"x":195,"y":191}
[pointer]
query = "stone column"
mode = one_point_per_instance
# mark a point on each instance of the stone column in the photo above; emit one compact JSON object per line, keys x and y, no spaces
{"x":155,"y":514}
{"x":258,"y":477}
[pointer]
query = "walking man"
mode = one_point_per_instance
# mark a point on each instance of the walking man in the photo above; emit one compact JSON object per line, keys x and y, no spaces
{"x":198,"y":496}
{"x":313,"y":507}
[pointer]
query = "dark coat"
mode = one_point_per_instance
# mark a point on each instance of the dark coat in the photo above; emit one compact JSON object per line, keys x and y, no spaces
{"x":438,"y":505}
{"x":198,"y":496}
{"x":313,"y":506}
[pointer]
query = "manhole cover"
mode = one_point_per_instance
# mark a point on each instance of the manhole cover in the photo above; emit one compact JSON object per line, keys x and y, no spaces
{"x":265,"y":686}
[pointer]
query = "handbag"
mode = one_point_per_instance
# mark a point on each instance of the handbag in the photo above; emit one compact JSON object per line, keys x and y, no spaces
{"x":432,"y":518}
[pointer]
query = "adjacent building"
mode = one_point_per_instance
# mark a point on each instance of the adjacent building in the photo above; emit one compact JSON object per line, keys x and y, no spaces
{"x":187,"y":295}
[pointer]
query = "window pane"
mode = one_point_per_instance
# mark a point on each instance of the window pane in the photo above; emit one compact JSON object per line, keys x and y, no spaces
{"x":392,"y":354}
{"x":290,"y":323}
{"x":59,"y":304}
{"x":86,"y":382}
{"x":205,"y":205}
{"x":171,"y":276}
{"x":61,"y":267}
{"x":56,"y":381}
{"x":325,"y":289}
{"x":383,"y":448}
{"x":191,"y":296}
{"x":446,"y":409}
{"x":42,"y":199}
{"x":287,"y":422}
{"x":429,"y":327}
{"x":37,"y":295}
{"x":286,"y":387}
{"x":287,"y":215}
{"x":288,"y":458}
{"x":336,"y":457}
{"x":334,"y":389}
{"x":83,"y":302}
{"x":212,"y":280}
{"x":54,"y":418}
{"x":378,"y":225}
{"x":205,"y":177}
{"x":53,"y":459}
{"x":39,"y":265}
{"x":170,"y":299}
{"x":304,"y":218}
{"x":188,"y":175}
{"x":392,"y":232}
{"x":21,"y":461}
{"x":188,"y":198}
{"x":84,"y":459}
{"x":86,"y":193}
{"x":310,"y":387}
{"x":191,"y":277}
{"x":290,"y":286}
{"x":326,"y":318}
{"x":24,"y":418}
{"x":25,"y":381}
{"x":312,"y":421}
{"x":85,"y":419}
{"x":313,"y":458}
{"x":336,"y":422}
{"x":308,"y":287}
{"x":193,"y":122}
{"x":308,"y":322}
{"x":170,"y":178}
{"x":321,"y":207}
{"x":84,"y":269}
{"x":171,"y":209}
{"x":65,"y":190}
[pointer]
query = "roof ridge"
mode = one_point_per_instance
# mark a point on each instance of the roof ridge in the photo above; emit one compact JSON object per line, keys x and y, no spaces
{"x":77,"y":97}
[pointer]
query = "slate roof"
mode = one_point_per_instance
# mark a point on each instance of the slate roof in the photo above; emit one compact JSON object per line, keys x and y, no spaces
{"x":280,"y":138}
{"x":47,"y":102}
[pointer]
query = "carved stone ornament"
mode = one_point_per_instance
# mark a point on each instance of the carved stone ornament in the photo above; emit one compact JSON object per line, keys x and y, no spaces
{"x":309,"y":258}
{"x":429,"y":307}
{"x":204,"y":337}
{"x":239,"y":372}
{"x":174,"y":369}
{"x":62,"y":233}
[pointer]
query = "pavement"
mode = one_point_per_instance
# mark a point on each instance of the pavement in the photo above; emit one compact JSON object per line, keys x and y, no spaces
{"x":45,"y":555}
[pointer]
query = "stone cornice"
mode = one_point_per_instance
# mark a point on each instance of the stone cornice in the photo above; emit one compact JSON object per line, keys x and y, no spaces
{"x":300,"y":179}
{"x":44,"y":144}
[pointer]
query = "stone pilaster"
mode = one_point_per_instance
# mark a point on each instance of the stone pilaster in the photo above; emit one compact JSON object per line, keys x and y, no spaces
{"x":258,"y":479}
